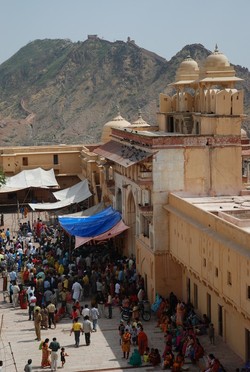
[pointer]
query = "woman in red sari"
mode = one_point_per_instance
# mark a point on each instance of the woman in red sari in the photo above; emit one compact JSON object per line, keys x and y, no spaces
{"x":45,"y":354}
{"x":142,"y":341}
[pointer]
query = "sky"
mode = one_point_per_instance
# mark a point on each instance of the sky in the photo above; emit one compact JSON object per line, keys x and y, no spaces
{"x":160,"y":26}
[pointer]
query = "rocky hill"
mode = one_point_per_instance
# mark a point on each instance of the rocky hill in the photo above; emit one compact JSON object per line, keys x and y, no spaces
{"x":57,"y":91}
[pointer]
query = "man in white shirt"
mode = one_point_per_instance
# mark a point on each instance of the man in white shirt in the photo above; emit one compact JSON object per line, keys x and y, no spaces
{"x":86,"y":311}
{"x":13,"y":276}
{"x":87,"y":329}
{"x":98,"y":285}
{"x":94,"y":315}
{"x":117,"y":289}
{"x":76,"y":291}
{"x":15,"y":290}
{"x":20,"y":250}
{"x":33,"y":250}
{"x":32,"y":303}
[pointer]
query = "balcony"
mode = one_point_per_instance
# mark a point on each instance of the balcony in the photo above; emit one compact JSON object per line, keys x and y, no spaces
{"x":145,"y":208}
{"x":145,"y":178}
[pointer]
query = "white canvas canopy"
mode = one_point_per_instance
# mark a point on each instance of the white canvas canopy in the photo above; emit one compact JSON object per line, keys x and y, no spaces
{"x":88,"y":212}
{"x":30,"y":178}
{"x":71,"y":195}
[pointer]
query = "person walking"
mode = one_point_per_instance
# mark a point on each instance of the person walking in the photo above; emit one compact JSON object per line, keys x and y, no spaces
{"x":5,"y":279}
{"x":37,"y":323}
{"x":211,"y":333}
{"x":45,"y":317}
{"x":51,"y":309}
{"x":142,"y":341}
{"x":63,"y":354}
{"x":109,"y":304}
{"x":32,"y":303}
{"x":54,"y":347}
{"x":100,"y":303}
{"x":87,"y":329}
{"x":86,"y":311}
{"x":45,"y":354}
{"x":117,"y":289}
{"x":28,"y":366}
{"x":94,"y":316}
{"x":76,"y":328}
{"x":13,"y":276}
{"x":126,"y":342}
{"x":15,"y":290}
{"x":76,"y":291}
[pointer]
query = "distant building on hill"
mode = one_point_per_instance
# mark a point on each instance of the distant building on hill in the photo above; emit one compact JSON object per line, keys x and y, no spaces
{"x":93,"y":37}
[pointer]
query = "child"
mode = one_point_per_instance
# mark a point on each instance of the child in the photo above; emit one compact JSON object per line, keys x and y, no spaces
{"x":146,"y":355}
{"x":211,"y":333}
{"x":134,"y":335}
{"x":121,"y":330}
{"x":74,"y":313}
{"x":63,"y":355}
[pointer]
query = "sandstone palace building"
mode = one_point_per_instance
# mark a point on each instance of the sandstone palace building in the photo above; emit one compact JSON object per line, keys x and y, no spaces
{"x":179,"y":188}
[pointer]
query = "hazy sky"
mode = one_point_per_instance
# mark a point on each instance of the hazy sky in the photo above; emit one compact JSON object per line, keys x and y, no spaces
{"x":161,"y":26}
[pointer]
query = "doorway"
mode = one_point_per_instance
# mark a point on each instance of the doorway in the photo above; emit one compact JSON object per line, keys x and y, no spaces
{"x":247,"y":345}
{"x":220,"y":320}
{"x":188,"y":290}
{"x":131,"y":221}
{"x":209,"y":306}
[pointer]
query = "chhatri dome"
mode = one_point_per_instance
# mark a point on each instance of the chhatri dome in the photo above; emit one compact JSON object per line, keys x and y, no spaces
{"x":117,"y":122}
{"x":216,"y":68}
{"x":216,"y":59}
{"x":187,"y":72}
{"x":139,"y":122}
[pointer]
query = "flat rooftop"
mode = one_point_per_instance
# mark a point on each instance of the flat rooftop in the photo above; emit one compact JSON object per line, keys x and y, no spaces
{"x":233,"y":209}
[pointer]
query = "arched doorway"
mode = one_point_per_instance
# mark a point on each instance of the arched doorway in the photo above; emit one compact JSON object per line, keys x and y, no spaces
{"x":131,"y":222}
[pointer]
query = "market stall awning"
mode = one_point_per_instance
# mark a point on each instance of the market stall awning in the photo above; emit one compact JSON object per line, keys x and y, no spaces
{"x":30,"y":178}
{"x":92,"y":225}
{"x":86,"y":212}
{"x":116,"y":230}
{"x":69,"y":196}
{"x":122,"y":154}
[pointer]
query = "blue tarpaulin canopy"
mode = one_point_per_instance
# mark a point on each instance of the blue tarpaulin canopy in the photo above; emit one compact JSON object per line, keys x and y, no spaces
{"x":91,"y":225}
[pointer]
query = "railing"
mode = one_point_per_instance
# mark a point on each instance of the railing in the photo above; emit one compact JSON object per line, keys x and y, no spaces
{"x":145,"y":178}
{"x":45,"y":166}
{"x":144,"y":175}
{"x":145,"y":207}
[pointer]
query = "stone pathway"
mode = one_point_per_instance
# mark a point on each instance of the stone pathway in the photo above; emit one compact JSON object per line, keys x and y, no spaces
{"x":17,"y":344}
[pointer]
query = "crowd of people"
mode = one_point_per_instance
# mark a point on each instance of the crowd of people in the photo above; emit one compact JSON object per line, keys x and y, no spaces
{"x":40,"y":273}
{"x":181,"y":328}
{"x":53,"y":282}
